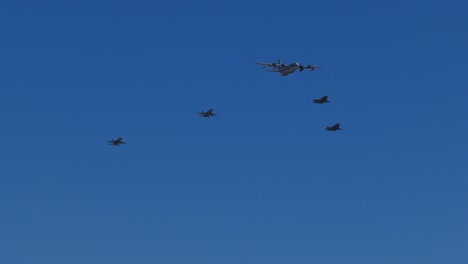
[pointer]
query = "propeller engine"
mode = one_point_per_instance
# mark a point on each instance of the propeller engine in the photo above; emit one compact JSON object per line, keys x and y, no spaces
{"x":276,"y":65}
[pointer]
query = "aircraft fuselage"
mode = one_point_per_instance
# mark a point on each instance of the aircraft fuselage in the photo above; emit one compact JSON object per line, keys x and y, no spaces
{"x":286,"y":70}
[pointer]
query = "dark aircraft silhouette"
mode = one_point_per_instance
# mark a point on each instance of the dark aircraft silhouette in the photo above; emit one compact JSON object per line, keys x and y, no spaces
{"x":322,"y":100}
{"x":208,"y":113}
{"x":116,"y":142}
{"x":287,"y":69}
{"x":334,"y":127}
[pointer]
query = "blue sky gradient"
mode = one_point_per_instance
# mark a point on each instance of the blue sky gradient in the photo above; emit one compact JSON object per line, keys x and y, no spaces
{"x":263,"y":182}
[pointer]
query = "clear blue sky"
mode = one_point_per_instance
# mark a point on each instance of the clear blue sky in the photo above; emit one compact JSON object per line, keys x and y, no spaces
{"x":263,"y":182}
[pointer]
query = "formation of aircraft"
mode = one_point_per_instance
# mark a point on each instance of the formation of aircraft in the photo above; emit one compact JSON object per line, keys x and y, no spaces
{"x":208,"y":113}
{"x":278,"y":67}
{"x":287,"y":69}
{"x":117,"y":142}
{"x":322,"y":100}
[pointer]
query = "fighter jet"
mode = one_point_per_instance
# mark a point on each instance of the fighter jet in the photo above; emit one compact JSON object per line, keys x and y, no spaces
{"x":322,"y":100}
{"x":208,"y":113}
{"x":287,"y":69}
{"x":334,"y":127}
{"x":116,"y":142}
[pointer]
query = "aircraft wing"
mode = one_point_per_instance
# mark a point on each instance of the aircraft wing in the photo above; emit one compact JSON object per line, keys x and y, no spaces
{"x":314,"y":67}
{"x":264,"y":64}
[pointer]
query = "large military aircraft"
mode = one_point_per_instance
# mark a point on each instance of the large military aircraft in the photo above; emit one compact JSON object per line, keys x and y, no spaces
{"x":334,"y":127}
{"x":116,"y":142}
{"x":322,"y":100}
{"x":287,"y":69}
{"x":208,"y":113}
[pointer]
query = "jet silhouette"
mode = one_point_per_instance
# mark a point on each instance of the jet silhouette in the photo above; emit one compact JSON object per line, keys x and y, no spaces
{"x":208,"y":113}
{"x":322,"y":100}
{"x":334,"y":127}
{"x":116,"y":142}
